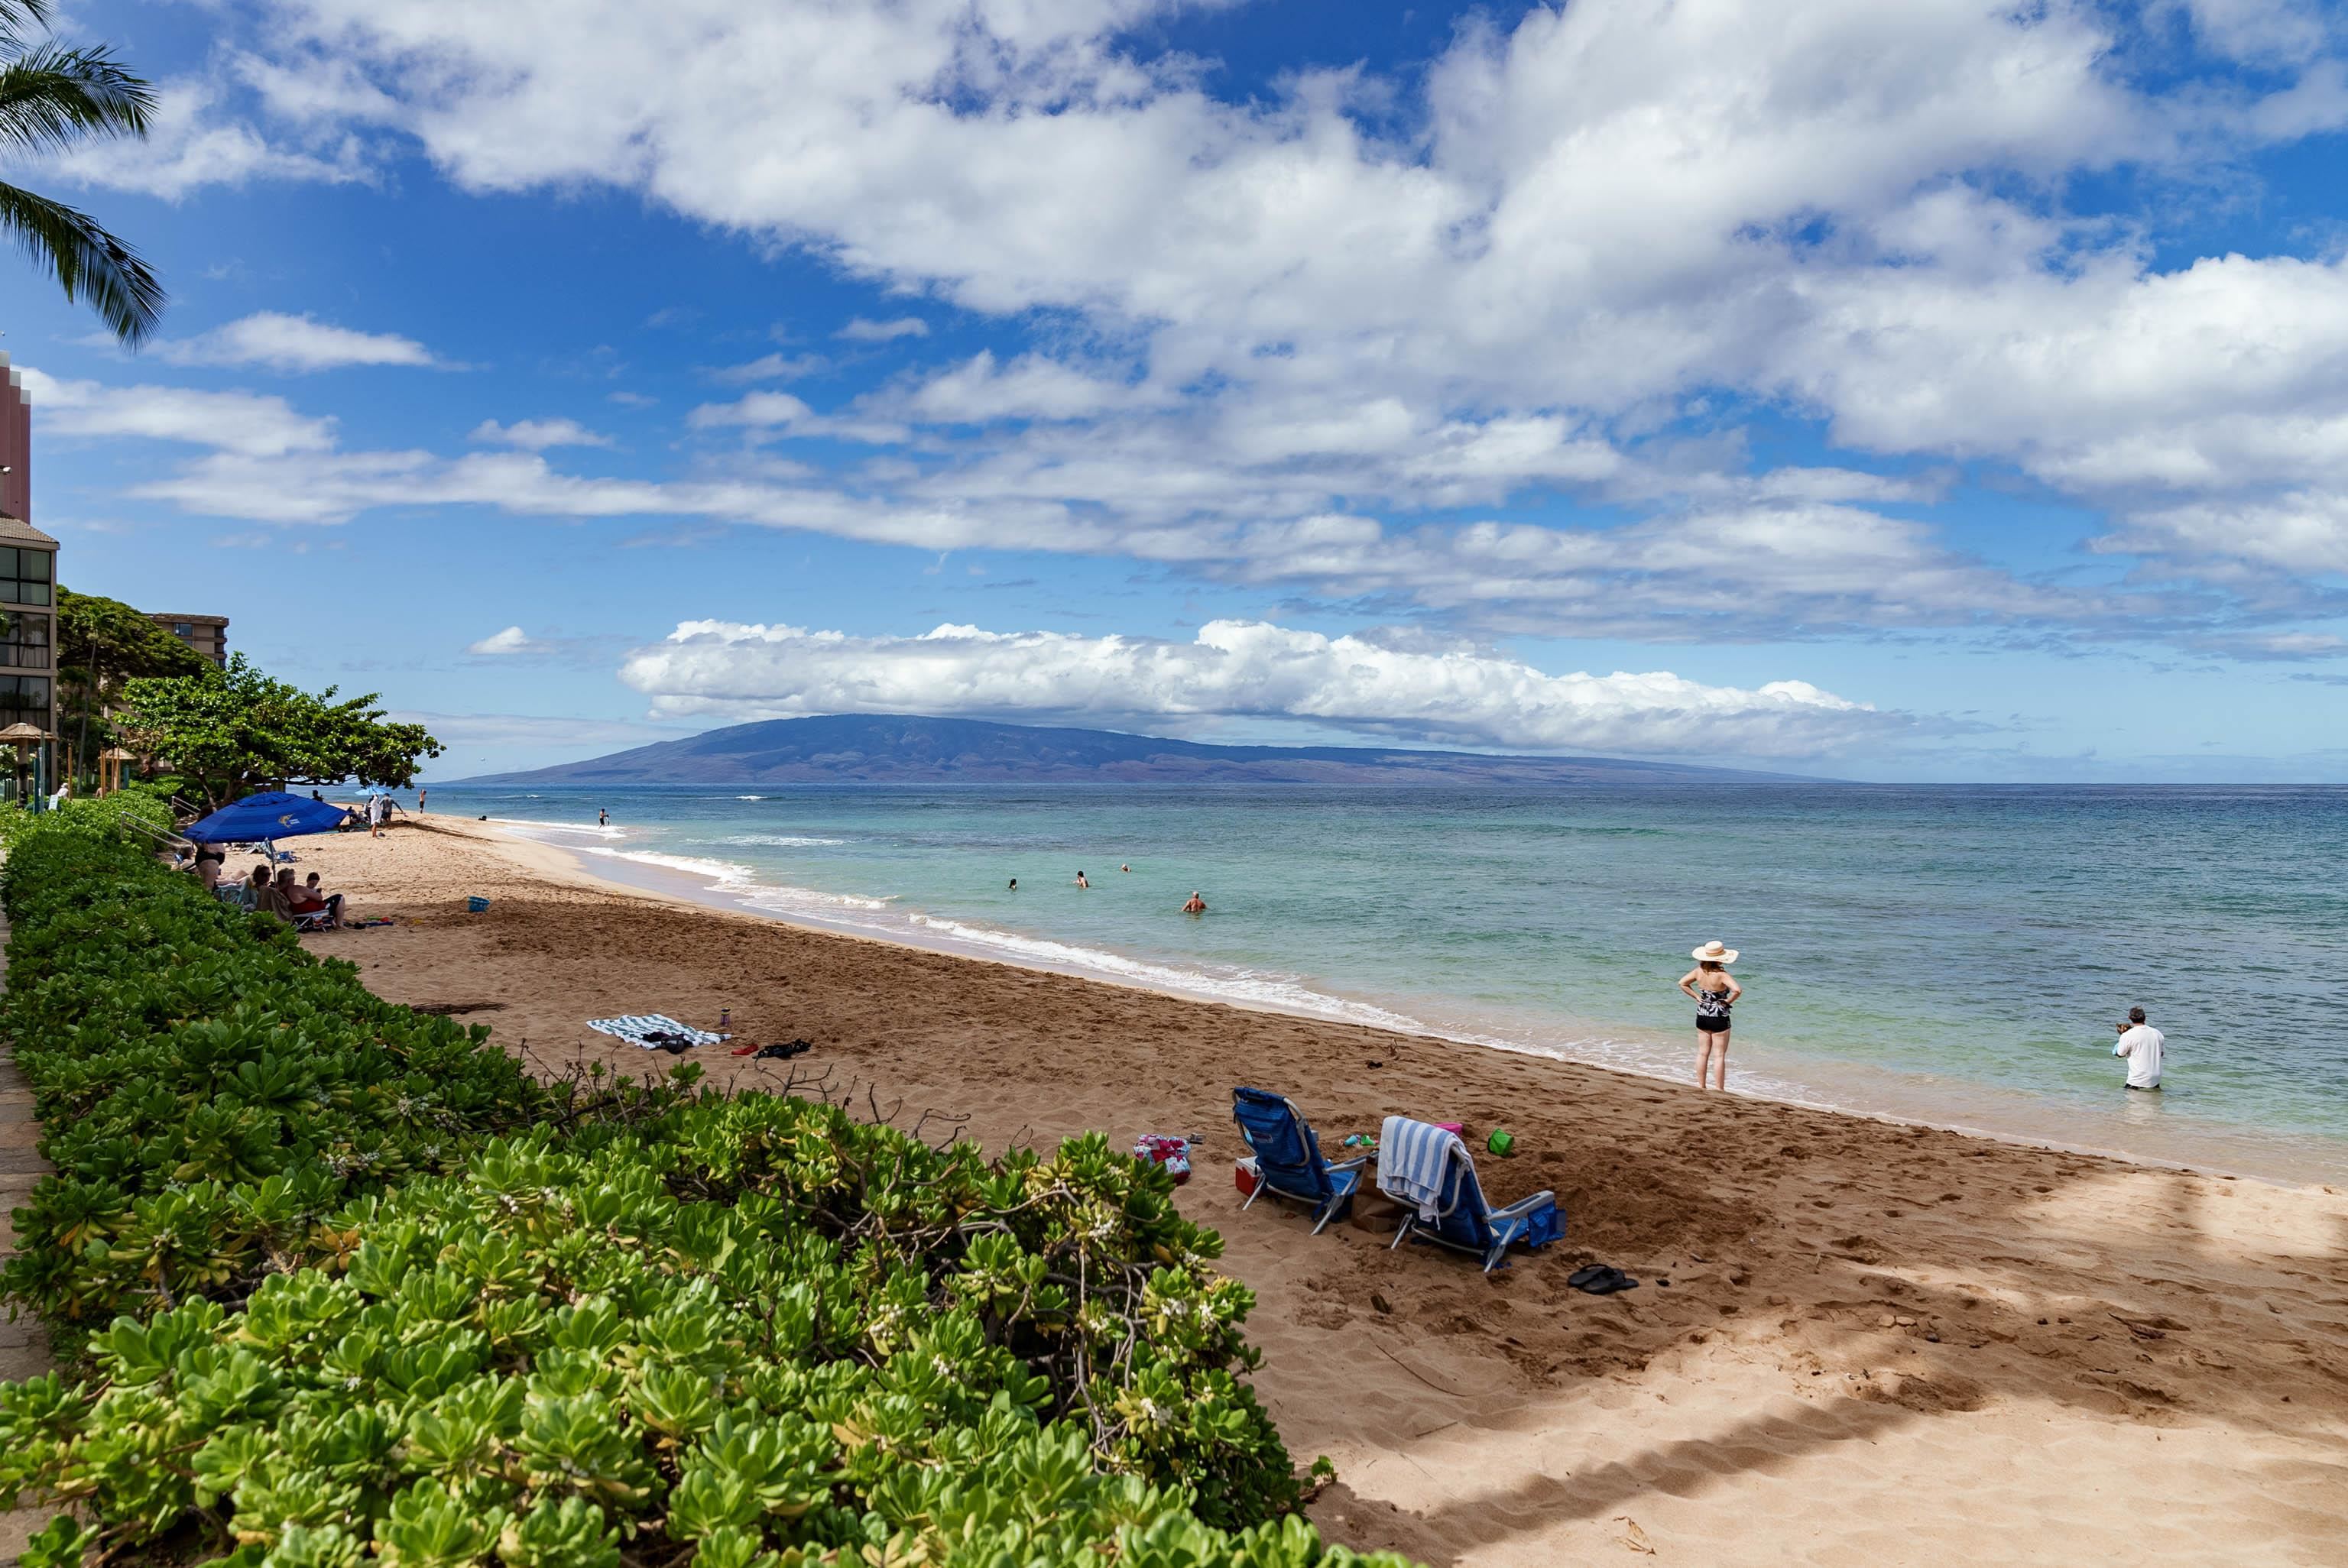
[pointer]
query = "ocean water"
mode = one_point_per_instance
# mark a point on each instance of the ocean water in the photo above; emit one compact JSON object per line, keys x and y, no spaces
{"x":1950,"y":954}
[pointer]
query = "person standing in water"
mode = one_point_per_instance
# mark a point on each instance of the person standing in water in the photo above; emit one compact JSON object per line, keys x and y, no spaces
{"x":1080,"y":880}
{"x":1197,"y":906}
{"x":1014,"y":884}
{"x":1715,"y":990}
{"x":602,"y":818}
{"x":2142,"y":1045}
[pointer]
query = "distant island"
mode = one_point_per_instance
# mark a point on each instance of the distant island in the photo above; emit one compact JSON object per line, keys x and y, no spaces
{"x":874,"y":748}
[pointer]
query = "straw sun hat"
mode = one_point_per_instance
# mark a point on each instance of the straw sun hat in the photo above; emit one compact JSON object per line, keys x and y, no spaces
{"x":1714,"y":953}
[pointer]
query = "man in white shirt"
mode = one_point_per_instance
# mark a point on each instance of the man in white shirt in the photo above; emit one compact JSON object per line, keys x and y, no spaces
{"x":2140,"y":1043}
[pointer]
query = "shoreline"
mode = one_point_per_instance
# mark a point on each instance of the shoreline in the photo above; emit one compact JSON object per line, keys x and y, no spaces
{"x":1853,"y":1341}
{"x":709,"y":890}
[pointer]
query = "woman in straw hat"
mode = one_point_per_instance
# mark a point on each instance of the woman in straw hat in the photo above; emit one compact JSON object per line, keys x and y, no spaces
{"x":1715,"y":990}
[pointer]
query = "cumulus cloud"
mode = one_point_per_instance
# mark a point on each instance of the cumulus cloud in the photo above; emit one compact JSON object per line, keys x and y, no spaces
{"x":861,"y":330}
{"x":512,"y":640}
{"x":275,"y":340}
{"x":1338,"y":334}
{"x":1443,"y":693}
{"x":537,"y":434}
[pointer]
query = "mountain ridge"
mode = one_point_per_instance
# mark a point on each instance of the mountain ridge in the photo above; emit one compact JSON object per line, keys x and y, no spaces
{"x":882,"y":748}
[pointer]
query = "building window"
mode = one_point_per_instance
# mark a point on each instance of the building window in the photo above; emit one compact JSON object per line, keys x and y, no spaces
{"x":24,"y":576}
{"x":24,"y":698}
{"x":24,"y":641}
{"x":181,"y":628}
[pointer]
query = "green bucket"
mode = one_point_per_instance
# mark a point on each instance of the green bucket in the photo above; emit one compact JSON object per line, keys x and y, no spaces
{"x":1502,"y":1141}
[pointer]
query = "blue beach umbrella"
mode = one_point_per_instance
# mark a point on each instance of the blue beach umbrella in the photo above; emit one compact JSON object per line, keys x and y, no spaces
{"x":269,"y":816}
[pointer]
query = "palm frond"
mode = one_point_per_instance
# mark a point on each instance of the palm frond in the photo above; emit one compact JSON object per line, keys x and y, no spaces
{"x":20,"y":18}
{"x":51,"y":98}
{"x":91,"y":265}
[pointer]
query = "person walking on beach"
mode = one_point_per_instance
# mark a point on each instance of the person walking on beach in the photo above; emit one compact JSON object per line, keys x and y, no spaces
{"x":2141,"y":1044}
{"x":421,"y":796}
{"x":1715,"y":990}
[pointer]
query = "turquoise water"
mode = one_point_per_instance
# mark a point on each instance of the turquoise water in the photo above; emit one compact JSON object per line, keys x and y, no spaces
{"x":1951,"y":954}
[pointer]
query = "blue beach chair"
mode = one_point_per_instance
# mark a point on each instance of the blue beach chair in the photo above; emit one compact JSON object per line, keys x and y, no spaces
{"x":1288,"y":1157}
{"x":1424,"y":1167}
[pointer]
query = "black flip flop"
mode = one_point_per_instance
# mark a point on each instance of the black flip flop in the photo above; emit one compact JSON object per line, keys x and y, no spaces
{"x":1600,"y":1280}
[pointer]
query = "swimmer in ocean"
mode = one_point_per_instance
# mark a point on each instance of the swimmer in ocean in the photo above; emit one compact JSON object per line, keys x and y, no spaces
{"x":1080,"y":880}
{"x":1014,"y":884}
{"x":1197,"y":906}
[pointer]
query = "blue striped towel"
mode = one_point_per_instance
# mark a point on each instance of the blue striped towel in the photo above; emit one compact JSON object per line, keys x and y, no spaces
{"x":1412,"y":1158}
{"x":637,"y":1027}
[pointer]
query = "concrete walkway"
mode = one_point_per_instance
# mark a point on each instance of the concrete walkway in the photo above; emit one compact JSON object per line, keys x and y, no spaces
{"x":24,"y":1346}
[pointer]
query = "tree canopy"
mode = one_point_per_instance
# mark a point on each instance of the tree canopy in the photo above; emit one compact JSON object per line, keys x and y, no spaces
{"x":100,"y":643}
{"x":230,"y":731}
{"x":107,"y":637}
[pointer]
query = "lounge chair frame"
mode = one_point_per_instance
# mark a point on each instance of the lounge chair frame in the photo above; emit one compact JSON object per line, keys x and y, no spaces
{"x":1507,"y":1226}
{"x":1345,"y":1177}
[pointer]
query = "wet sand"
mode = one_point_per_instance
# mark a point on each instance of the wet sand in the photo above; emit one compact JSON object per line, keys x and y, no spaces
{"x":1877,"y":1344}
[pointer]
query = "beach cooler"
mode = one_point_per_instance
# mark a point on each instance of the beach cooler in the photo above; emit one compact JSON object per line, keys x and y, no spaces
{"x":475,"y":904}
{"x":1247,"y":1175}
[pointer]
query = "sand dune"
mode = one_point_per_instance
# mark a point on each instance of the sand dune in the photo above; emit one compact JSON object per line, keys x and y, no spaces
{"x":1857,"y":1342}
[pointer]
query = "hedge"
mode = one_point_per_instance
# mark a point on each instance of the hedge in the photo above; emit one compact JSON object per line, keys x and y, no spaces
{"x":207,"y":1090}
{"x":345,"y":1286}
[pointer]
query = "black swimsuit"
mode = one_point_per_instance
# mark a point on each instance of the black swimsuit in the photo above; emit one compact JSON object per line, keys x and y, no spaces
{"x":1712,"y":1011}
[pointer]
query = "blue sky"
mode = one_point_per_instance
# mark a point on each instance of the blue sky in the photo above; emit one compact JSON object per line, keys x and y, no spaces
{"x":1934,"y":391}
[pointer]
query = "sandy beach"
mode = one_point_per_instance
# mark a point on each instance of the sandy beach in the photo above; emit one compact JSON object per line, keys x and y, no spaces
{"x":1856,"y":1342}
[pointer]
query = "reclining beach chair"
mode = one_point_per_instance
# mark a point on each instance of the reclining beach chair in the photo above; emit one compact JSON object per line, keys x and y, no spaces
{"x":1288,"y":1157}
{"x":1427,"y":1170}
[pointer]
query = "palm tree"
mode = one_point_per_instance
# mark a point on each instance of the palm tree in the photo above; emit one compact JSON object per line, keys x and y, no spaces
{"x":51,"y":98}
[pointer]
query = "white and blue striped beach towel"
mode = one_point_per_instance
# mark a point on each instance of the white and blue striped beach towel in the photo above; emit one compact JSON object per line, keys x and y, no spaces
{"x":639,"y":1028}
{"x":1412,"y":1157}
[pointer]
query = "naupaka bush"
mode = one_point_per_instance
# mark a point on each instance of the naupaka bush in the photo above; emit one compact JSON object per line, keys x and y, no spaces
{"x":358,"y":1291}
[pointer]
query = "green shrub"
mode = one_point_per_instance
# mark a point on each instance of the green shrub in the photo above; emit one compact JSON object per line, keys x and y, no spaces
{"x":206,"y":1089}
{"x":349,"y":1289}
{"x":90,"y":817}
{"x":552,"y":1359}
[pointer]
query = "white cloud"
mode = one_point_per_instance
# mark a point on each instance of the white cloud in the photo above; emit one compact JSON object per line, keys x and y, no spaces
{"x":537,"y":434}
{"x":1449,"y":693}
{"x":861,"y":330}
{"x":1569,"y":257}
{"x":1613,"y":203}
{"x":250,"y":425}
{"x":512,"y":640}
{"x":752,"y":410}
{"x":771,"y":367}
{"x":277,"y":340}
{"x":981,"y":390}
{"x":192,"y":144}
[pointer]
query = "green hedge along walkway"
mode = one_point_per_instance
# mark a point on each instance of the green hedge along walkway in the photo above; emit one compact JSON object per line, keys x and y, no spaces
{"x":24,"y":1346}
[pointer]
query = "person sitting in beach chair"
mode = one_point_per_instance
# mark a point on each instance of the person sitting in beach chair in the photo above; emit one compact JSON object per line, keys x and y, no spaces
{"x":1428,"y":1171}
{"x":307,"y":908}
{"x":1288,"y":1157}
